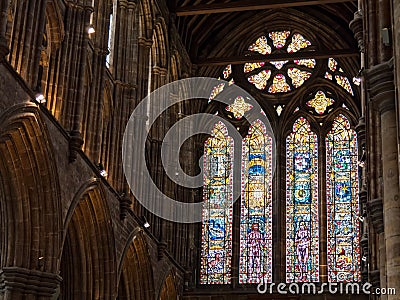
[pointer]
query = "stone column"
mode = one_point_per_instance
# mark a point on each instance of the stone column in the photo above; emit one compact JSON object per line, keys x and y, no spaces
{"x":3,"y":23}
{"x":20,"y":283}
{"x":382,"y":94}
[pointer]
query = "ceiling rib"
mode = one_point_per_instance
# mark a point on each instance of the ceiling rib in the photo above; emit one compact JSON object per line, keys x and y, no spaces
{"x":248,"y":5}
{"x":236,"y":60}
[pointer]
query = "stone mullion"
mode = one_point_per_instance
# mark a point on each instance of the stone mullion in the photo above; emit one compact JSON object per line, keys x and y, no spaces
{"x":323,"y":222}
{"x":382,"y":93}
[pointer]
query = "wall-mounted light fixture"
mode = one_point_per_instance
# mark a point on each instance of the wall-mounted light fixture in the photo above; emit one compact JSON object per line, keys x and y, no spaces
{"x":146,"y":224}
{"x":103,"y":172}
{"x":91,"y":29}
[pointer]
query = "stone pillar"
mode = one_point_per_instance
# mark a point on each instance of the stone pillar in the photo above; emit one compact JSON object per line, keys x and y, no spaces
{"x":3,"y":24}
{"x":382,"y":94}
{"x":20,"y":283}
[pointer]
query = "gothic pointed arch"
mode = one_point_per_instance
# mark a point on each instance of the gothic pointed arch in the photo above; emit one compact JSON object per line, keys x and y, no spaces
{"x":31,"y":202}
{"x":88,"y":243}
{"x":135,"y":270}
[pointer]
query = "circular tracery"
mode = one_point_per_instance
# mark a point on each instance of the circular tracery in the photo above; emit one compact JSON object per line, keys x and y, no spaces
{"x":279,"y":76}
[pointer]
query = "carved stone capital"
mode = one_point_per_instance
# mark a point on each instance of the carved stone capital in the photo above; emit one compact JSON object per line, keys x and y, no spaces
{"x":361,"y":131}
{"x":75,"y":145}
{"x":375,"y":278}
{"x":144,"y":42}
{"x":356,"y":25}
{"x":363,"y":196}
{"x":32,"y":282}
{"x":380,"y":79}
{"x":375,"y":208}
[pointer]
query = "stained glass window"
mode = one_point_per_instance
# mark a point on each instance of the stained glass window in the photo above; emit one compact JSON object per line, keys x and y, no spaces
{"x":338,"y":73}
{"x":289,"y":78}
{"x":298,"y":43}
{"x":279,"y":85}
{"x":332,"y":64}
{"x":216,"y":90}
{"x":256,"y":207}
{"x":279,"y":38}
{"x":344,"y":82}
{"x":302,"y":237}
{"x":309,"y":63}
{"x":216,"y":248}
{"x":239,"y":107}
{"x":260,"y":79}
{"x":342,"y":202}
{"x":227,"y":71}
{"x":261,"y":46}
{"x":279,"y":64}
{"x":298,"y":77}
{"x":320,"y":102}
{"x":248,"y":67}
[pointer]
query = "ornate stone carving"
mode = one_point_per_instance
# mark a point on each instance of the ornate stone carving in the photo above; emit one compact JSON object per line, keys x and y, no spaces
{"x":356,"y":25}
{"x":375,"y":209}
{"x":380,"y":79}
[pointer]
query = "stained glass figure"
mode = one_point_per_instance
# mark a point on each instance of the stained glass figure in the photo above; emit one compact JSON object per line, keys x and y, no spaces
{"x":298,"y":43}
{"x":342,"y":202}
{"x":227,"y":71}
{"x":248,"y":67}
{"x":302,"y":237}
{"x":279,"y":64}
{"x":298,"y":77}
{"x":216,"y":246}
{"x":309,"y":63}
{"x":261,"y":46}
{"x":344,"y":82}
{"x":332,"y":64}
{"x":279,"y":85}
{"x":256,"y":207}
{"x":320,"y":102}
{"x":260,"y":80}
{"x":279,"y":38}
{"x":239,"y":107}
{"x":216,"y":90}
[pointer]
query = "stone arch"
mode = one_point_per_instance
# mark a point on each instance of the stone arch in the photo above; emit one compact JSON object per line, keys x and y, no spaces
{"x":174,"y":69}
{"x":169,"y":289}
{"x":30,"y":205}
{"x":135,"y":271}
{"x":55,"y":25}
{"x":88,"y":250}
{"x":146,"y":19}
{"x":160,"y":44}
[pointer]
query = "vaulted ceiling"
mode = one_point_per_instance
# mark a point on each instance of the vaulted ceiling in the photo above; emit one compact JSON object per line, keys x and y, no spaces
{"x":216,"y":32}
